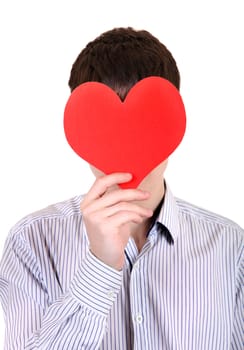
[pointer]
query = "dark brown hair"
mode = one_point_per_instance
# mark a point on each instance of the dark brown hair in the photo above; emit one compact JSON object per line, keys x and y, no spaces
{"x":121,"y":57}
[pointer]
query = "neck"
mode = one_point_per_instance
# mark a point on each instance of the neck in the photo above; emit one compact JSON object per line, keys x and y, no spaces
{"x":139,"y":231}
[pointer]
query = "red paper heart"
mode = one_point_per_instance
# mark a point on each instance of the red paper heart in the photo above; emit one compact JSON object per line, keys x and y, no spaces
{"x":131,"y":136}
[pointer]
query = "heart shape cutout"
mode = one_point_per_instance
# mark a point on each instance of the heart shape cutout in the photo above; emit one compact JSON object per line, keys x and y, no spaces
{"x":131,"y":136}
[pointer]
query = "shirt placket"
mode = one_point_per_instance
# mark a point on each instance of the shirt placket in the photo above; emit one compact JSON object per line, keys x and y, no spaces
{"x":139,"y":302}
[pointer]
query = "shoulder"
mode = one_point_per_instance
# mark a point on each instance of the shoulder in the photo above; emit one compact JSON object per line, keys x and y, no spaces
{"x":199,"y":213}
{"x":212,"y":223}
{"x":60,"y":212}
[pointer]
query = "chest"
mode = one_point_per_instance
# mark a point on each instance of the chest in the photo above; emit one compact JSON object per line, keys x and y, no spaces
{"x":171,"y":300}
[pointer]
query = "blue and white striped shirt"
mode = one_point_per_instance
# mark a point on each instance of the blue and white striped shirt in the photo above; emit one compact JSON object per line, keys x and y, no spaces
{"x":183,"y":291}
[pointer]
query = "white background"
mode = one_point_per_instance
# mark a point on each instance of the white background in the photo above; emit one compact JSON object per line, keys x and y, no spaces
{"x":39,"y":42}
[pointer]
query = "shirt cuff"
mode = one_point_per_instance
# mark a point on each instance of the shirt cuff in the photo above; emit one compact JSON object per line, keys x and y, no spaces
{"x":96,"y":284}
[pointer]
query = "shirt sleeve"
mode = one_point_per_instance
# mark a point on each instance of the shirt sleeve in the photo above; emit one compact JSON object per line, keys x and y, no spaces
{"x":75,"y":320}
{"x":238,"y":326}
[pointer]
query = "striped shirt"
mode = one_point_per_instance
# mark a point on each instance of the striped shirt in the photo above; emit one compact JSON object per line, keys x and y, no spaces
{"x":184,"y":290}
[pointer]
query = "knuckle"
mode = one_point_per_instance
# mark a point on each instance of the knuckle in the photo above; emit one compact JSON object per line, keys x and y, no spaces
{"x":85,"y":211}
{"x":99,"y":181}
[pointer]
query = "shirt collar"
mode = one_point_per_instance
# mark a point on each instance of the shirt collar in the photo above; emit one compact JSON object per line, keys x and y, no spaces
{"x":169,"y":215}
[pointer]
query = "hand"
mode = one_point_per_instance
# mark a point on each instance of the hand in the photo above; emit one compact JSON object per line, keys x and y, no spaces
{"x":108,"y":212}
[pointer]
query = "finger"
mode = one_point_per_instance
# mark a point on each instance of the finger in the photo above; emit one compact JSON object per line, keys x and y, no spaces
{"x":124,"y":217}
{"x":125,"y":206}
{"x":102,"y":183}
{"x":115,"y":197}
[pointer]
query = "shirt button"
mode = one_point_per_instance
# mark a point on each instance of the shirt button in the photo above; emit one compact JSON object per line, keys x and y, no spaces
{"x":139,"y":318}
{"x":110,"y":294}
{"x":136,"y":266}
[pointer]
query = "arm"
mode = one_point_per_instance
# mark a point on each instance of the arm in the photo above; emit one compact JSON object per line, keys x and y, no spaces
{"x":76,"y":320}
{"x":238,"y":326}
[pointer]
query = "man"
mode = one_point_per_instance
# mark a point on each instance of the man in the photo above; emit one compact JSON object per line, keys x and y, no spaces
{"x":123,"y":268}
